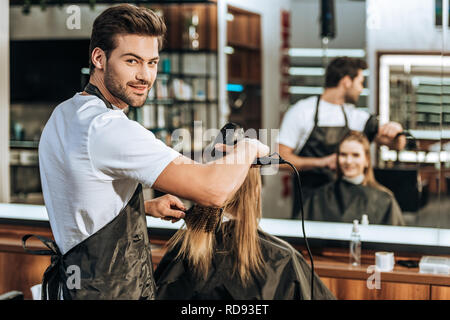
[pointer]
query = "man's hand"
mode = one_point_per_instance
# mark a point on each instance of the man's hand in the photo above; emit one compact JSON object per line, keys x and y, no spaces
{"x":390,"y":130}
{"x":165,"y":207}
{"x":261,"y":149}
{"x":387,"y":135}
{"x":330,"y":161}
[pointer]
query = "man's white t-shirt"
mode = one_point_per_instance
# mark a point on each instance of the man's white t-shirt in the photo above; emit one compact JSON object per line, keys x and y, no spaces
{"x":298,"y":122}
{"x":91,"y":160}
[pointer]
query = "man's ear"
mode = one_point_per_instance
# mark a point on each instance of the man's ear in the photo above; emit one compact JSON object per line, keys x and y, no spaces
{"x":98,"y":58}
{"x":346,"y":82}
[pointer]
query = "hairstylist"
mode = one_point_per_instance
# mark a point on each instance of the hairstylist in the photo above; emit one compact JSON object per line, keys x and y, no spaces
{"x":312,"y":129}
{"x":93,"y":160}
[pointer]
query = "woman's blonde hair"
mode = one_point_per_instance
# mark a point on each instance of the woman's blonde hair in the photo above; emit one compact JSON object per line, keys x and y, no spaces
{"x":244,"y":207}
{"x":369,"y":177}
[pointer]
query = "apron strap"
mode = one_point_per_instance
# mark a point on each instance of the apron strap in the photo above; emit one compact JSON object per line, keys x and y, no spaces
{"x":316,"y":116}
{"x":345,"y":116}
{"x":93,"y":90}
{"x":47,"y":242}
{"x":56,"y":259}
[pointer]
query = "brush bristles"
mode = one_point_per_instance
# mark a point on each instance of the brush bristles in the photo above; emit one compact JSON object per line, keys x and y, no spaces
{"x":205,"y":219}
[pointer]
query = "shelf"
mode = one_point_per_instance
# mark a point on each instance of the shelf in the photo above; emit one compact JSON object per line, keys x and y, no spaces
{"x":182,"y":75}
{"x":244,"y":82}
{"x":189,"y":51}
{"x":176,"y":101}
{"x":23,"y":144}
{"x":313,"y":71}
{"x":241,"y":46}
{"x":415,"y":157}
{"x":430,"y":134}
{"x":306,"y":90}
{"x":24,"y":165}
{"x":156,"y":2}
{"x":319,"y":52}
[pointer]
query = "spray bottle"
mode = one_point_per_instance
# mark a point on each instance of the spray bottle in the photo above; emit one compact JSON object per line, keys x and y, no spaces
{"x":355,"y":245}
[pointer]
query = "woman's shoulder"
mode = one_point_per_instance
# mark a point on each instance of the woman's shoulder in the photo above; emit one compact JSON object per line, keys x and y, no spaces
{"x":386,"y":195}
{"x":275,"y":248}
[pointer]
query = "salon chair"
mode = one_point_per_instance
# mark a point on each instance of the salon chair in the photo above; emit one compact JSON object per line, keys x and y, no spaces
{"x":410,"y":194}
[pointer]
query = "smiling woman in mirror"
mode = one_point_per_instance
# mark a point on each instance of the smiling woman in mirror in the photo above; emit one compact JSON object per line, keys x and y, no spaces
{"x":355,"y":192}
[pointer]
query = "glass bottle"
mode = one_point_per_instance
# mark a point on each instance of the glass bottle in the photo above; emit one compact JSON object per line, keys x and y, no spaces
{"x":355,"y":245}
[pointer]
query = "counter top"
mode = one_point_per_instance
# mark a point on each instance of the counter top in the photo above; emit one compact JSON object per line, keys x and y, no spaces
{"x":334,"y":264}
{"x":328,"y":262}
{"x":279,"y":227}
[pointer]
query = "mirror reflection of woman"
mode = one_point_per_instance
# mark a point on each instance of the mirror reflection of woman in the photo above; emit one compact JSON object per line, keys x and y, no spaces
{"x":238,"y":261}
{"x":355,"y":192}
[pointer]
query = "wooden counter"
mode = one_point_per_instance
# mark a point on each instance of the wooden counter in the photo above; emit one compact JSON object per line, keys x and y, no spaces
{"x":20,"y":271}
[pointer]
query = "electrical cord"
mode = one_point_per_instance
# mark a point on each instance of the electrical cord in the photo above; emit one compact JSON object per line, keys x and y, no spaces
{"x":270,"y":160}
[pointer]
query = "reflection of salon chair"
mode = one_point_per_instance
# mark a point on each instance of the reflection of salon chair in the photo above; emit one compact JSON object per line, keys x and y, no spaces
{"x":404,"y":183}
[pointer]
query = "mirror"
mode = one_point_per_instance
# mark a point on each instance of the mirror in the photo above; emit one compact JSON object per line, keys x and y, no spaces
{"x":413,"y":90}
{"x":404,"y":44}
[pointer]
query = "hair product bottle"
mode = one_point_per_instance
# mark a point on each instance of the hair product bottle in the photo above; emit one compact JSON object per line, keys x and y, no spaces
{"x":355,"y":245}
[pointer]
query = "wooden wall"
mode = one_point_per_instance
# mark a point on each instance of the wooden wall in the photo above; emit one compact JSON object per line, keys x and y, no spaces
{"x":20,"y":271}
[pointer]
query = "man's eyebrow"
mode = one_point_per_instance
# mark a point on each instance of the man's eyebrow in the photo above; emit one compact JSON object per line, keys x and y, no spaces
{"x":140,"y":58}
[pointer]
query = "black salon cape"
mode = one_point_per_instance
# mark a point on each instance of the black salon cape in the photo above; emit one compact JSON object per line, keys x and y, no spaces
{"x":342,"y":201}
{"x":286,"y":276}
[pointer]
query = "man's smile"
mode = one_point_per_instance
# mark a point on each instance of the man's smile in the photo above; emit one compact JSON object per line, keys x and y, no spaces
{"x":139,"y":88}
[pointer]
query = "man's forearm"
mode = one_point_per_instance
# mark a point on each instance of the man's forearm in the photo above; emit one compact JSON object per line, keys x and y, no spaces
{"x":398,"y":143}
{"x":208,"y":184}
{"x":228,"y":173}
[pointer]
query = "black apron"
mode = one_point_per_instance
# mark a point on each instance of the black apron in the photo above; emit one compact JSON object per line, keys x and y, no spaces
{"x":113,"y":263}
{"x":322,"y":142}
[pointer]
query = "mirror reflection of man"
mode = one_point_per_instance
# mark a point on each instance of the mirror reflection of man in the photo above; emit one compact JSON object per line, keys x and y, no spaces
{"x":312,"y":128}
{"x":94,"y":160}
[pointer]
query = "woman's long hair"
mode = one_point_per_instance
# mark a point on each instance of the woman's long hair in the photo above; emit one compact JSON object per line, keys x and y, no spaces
{"x":369,"y":177}
{"x":244,"y":209}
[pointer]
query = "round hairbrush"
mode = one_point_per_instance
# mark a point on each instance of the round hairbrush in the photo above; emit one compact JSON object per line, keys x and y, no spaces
{"x":206,"y":219}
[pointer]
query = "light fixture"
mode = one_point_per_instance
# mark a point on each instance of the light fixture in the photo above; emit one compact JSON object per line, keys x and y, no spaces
{"x":313,"y":71}
{"x":315,"y":90}
{"x":229,"y":50}
{"x":317,"y":52}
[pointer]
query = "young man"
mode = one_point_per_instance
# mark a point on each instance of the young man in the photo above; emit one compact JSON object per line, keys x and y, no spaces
{"x":313,"y":127}
{"x":93,"y":160}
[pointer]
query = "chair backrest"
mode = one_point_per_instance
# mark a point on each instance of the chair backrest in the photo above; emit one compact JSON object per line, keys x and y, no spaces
{"x":404,"y":185}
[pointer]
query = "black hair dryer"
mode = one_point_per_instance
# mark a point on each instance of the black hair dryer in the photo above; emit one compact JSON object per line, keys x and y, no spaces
{"x":229,"y":135}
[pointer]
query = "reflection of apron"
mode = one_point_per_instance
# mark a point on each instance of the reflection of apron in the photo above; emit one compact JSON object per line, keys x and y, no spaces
{"x":322,"y":142}
{"x":113,"y":263}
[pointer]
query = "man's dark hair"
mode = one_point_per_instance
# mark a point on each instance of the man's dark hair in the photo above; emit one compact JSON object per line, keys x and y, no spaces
{"x":340,"y":67}
{"x":124,"y":19}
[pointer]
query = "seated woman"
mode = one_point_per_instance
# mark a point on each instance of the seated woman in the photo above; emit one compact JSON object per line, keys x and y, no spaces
{"x":355,"y":192}
{"x":236,"y":260}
